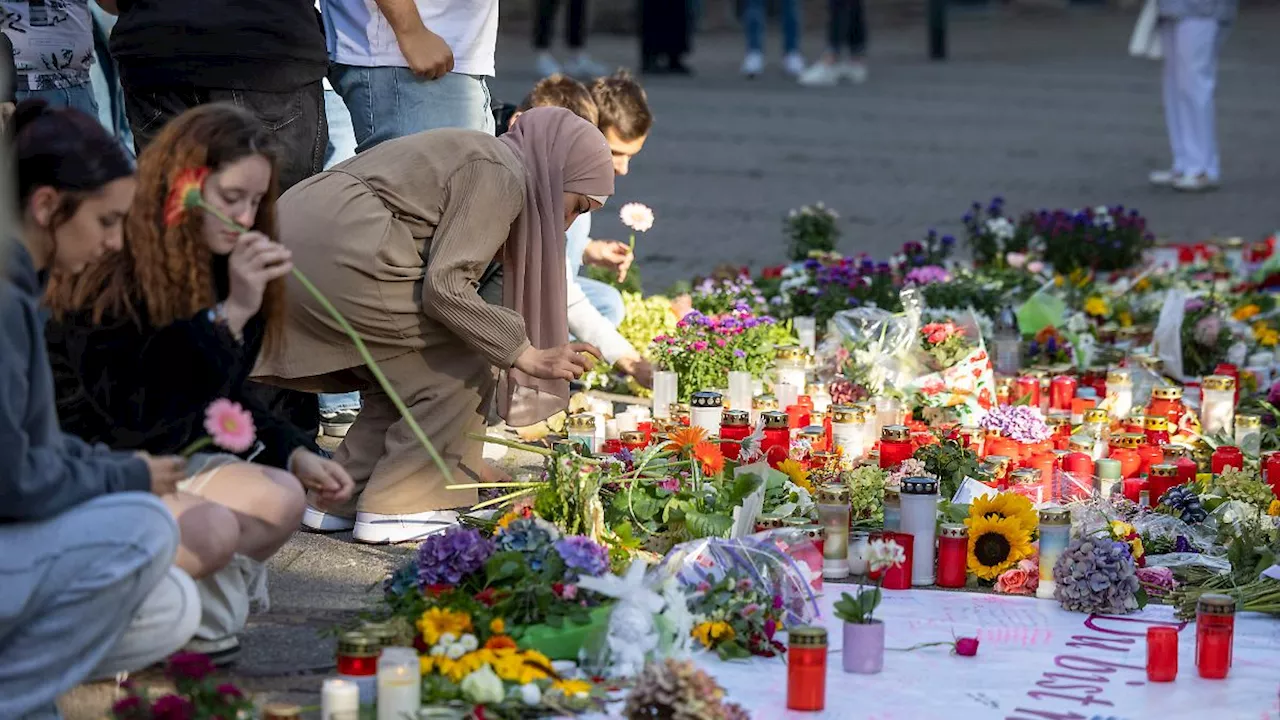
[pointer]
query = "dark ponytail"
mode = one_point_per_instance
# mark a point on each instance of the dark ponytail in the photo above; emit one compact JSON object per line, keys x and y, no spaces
{"x":66,"y":150}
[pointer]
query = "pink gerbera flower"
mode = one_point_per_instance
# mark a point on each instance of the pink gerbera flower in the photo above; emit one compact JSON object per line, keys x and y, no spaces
{"x":230,"y":425}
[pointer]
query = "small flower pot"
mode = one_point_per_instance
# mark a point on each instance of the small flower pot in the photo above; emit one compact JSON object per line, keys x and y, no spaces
{"x":863,"y":650}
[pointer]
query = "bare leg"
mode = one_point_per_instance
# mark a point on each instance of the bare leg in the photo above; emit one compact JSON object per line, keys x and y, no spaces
{"x":209,"y":534}
{"x":268,"y":504}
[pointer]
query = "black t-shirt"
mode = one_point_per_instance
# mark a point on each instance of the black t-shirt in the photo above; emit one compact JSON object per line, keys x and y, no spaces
{"x":8,"y":70}
{"x":268,"y":45}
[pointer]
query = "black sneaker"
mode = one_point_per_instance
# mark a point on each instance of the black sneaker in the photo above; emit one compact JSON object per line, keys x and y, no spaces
{"x":336,"y":424}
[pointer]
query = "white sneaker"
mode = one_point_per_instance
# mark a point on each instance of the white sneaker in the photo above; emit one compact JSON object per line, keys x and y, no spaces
{"x":753,"y":64}
{"x":820,"y":74}
{"x":793,"y":64}
{"x":320,"y":521}
{"x":222,"y":651}
{"x":547,"y":64}
{"x":1163,"y":178}
{"x":377,"y":529}
{"x":1195,"y":183}
{"x":854,"y":71}
{"x":582,"y":66}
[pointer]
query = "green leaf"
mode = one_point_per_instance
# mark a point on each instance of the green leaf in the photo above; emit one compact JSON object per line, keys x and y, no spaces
{"x":702,"y":524}
{"x":555,"y":621}
{"x":869,"y":600}
{"x":1142,"y":597}
{"x":732,"y":650}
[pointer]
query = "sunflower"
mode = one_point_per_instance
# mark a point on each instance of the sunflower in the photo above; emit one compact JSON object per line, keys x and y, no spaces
{"x":1005,"y":505}
{"x":572,"y":688}
{"x":995,"y":545}
{"x":436,"y":622}
{"x":709,"y":456}
{"x":686,"y":438}
{"x":711,"y":634}
{"x":796,"y":472}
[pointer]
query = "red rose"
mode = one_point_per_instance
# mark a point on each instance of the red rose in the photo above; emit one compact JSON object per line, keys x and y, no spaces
{"x":189,"y":666}
{"x":171,"y":707}
{"x":229,"y":690}
{"x":128,"y":708}
{"x":967,"y":647}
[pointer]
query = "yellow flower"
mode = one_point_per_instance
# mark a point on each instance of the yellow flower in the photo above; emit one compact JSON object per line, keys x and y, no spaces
{"x":1246,"y":312}
{"x":1097,"y":307}
{"x":1126,"y":318}
{"x":572,"y":688}
{"x":1142,"y":284}
{"x":711,"y":634}
{"x":995,"y":545}
{"x":1057,"y":280}
{"x":1274,"y":509}
{"x":455,"y":670}
{"x":1005,"y":505}
{"x":436,"y":622}
{"x":521,"y":667}
{"x":497,"y":626}
{"x":796,"y":472}
{"x":506,"y":520}
{"x":1121,"y":529}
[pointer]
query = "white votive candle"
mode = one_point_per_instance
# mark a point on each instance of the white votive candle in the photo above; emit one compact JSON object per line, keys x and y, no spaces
{"x":399,"y":684}
{"x":339,"y":700}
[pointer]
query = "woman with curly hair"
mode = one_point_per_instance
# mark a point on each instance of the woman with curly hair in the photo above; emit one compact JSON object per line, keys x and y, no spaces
{"x":148,"y":339}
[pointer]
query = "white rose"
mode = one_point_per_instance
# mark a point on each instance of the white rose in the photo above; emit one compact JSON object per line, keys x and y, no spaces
{"x":531,"y":695}
{"x":483,"y":687}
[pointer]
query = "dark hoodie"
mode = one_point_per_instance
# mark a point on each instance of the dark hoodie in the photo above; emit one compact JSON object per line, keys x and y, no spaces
{"x":43,"y":471}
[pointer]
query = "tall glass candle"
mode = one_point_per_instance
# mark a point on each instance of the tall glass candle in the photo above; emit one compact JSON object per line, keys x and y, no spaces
{"x":787,"y":394}
{"x":789,"y":367}
{"x":820,"y":396}
{"x":739,"y":390}
{"x":1109,"y":477}
{"x":953,"y":555}
{"x":399,"y":684}
{"x":1248,"y":434}
{"x":889,"y":412}
{"x":1167,"y":401}
{"x":1062,"y":389}
{"x":833,"y":515}
{"x":582,"y":432}
{"x":859,"y":540}
{"x":847,"y":431}
{"x":1055,"y":532}
{"x":776,"y":443}
{"x":665,"y":392}
{"x":358,"y":663}
{"x":1119,"y":394}
{"x":1215,"y":634}
{"x":919,"y":497}
{"x":892,"y":509}
{"x":806,"y":328}
{"x":1149,"y":455}
{"x":807,"y":668}
{"x":1080,"y":467}
{"x":1217,"y":404}
{"x":1271,"y":472}
{"x":1162,"y":653}
{"x":895,"y":446}
{"x":899,"y":576}
{"x":704,"y":411}
{"x":339,"y":700}
{"x":1026,"y":391}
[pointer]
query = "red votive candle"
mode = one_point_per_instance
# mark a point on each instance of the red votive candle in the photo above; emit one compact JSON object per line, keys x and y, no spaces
{"x":1162,"y":653}
{"x":1271,"y":472}
{"x":1215,"y":633}
{"x":776,"y":443}
{"x":797,"y":416}
{"x":1026,"y":391}
{"x":611,"y":446}
{"x":898,"y":577}
{"x":895,"y":446}
{"x":357,"y":655}
{"x":1226,"y":456}
{"x":735,"y":426}
{"x":1162,"y":477}
{"x":1156,"y":428}
{"x":807,"y":669}
{"x":1133,"y":488}
{"x":1080,"y":467}
{"x":633,"y":440}
{"x":1062,"y":390}
{"x":953,"y":555}
{"x":1149,"y":455}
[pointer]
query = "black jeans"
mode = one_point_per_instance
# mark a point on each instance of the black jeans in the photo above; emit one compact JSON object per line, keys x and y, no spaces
{"x":296,"y":119}
{"x":664,"y":30}
{"x":575,"y":28}
{"x":847,"y":23}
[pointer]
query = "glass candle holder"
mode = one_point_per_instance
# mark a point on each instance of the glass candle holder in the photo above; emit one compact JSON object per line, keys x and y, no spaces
{"x":1248,"y":434}
{"x":339,"y":700}
{"x":1062,"y":390}
{"x":1224,"y":457}
{"x":807,"y":668}
{"x":1055,"y":533}
{"x":776,"y":443}
{"x":833,"y":515}
{"x":1026,"y":391}
{"x":895,"y":446}
{"x":889,"y":412}
{"x":632,"y":440}
{"x":919,"y":499}
{"x":1217,"y":404}
{"x":899,"y":576}
{"x":1149,"y":455}
{"x":806,"y":329}
{"x":762,"y":404}
{"x":1167,"y":401}
{"x":859,"y":540}
{"x":704,"y":411}
{"x":821,"y":398}
{"x":399,"y":684}
{"x":789,"y":368}
{"x":358,"y":663}
{"x":739,"y":390}
{"x":734,"y":428}
{"x":787,"y":394}
{"x":1156,"y":429}
{"x":1215,"y":634}
{"x":892,"y":509}
{"x":1080,"y":467}
{"x":581,"y":429}
{"x":1109,"y":477}
{"x":1161,"y":479}
{"x":665,"y":392}
{"x":1271,"y":472}
{"x":953,"y":555}
{"x":1119,"y":394}
{"x":1162,"y":654}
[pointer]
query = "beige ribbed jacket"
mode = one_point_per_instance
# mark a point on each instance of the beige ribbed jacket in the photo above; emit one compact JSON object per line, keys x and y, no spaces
{"x":361,"y":230}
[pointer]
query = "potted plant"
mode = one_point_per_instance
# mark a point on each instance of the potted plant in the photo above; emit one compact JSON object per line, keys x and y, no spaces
{"x":863,"y":650}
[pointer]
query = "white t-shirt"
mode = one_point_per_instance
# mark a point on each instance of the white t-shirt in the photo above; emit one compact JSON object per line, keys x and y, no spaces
{"x":359,"y":34}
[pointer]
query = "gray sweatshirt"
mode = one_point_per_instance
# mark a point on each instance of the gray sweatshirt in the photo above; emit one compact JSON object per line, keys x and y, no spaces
{"x":43,"y":471}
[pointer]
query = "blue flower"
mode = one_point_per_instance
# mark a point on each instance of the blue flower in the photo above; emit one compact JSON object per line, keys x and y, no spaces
{"x":948,"y":240}
{"x":582,"y":556}
{"x":446,"y":558}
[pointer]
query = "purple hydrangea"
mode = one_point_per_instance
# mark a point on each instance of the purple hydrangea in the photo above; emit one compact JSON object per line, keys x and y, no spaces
{"x":927,"y":275}
{"x":1018,"y":423}
{"x":1096,"y":575}
{"x":583,"y":556}
{"x":446,"y":558}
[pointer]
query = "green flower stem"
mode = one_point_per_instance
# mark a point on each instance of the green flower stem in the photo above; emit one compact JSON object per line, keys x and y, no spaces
{"x":918,"y":646}
{"x":513,"y":444}
{"x":191,"y":449}
{"x":351,"y":333}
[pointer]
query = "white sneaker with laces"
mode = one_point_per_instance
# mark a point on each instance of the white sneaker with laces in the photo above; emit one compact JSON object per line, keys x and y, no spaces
{"x":820,"y":74}
{"x":1195,"y":183}
{"x":853,"y":71}
{"x":1163,"y":178}
{"x":753,"y":64}
{"x":321,"y":521}
{"x":793,"y":64}
{"x":547,"y":64}
{"x":582,"y":66}
{"x":378,"y":529}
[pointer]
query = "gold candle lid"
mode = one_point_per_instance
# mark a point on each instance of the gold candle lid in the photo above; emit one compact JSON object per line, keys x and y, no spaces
{"x":1119,"y":378}
{"x":735,"y":418}
{"x":1096,"y":415}
{"x":1132,"y":441}
{"x":895,"y":433}
{"x":1248,"y":422}
{"x":381,"y":633}
{"x":774,"y":419}
{"x":281,"y":711}
{"x":631,"y":437}
{"x":677,"y":409}
{"x":1164,"y":470}
{"x":1222,"y":383}
{"x":812,"y":433}
{"x":846,"y":414}
{"x":707,"y":399}
{"x":1080,"y":444}
{"x":1176,"y":450}
{"x":1167,"y":393}
{"x":357,"y":644}
{"x":1058,"y":418}
{"x":764,"y":402}
{"x":824,"y":458}
{"x":953,"y":530}
{"x":1155,"y":423}
{"x":818,"y":417}
{"x":1215,"y":604}
{"x":1055,"y":515}
{"x":581,"y":421}
{"x":833,"y":495}
{"x":1025,"y":476}
{"x":789,"y":352}
{"x":807,"y":636}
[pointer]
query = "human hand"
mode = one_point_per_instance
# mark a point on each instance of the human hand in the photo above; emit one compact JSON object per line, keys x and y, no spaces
{"x":327,"y":479}
{"x":255,"y":261}
{"x":638,"y":368}
{"x":610,"y":254}
{"x":428,"y":55}
{"x":166,"y":472}
{"x":566,"y":362}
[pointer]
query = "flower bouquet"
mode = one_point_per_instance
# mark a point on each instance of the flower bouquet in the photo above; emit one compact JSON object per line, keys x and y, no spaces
{"x":1205,"y":337}
{"x":736,"y":618}
{"x":1000,"y":532}
{"x":812,"y":228}
{"x":961,"y":377}
{"x":196,"y":694}
{"x":704,"y":349}
{"x":945,"y":344}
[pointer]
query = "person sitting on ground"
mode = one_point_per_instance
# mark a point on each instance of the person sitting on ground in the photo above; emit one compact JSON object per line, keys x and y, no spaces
{"x":399,"y":238}
{"x":87,"y":583}
{"x":149,"y":338}
{"x":595,"y":308}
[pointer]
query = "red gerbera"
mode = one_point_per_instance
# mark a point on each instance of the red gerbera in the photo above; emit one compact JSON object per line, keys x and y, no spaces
{"x":708,"y":454}
{"x":186,"y":191}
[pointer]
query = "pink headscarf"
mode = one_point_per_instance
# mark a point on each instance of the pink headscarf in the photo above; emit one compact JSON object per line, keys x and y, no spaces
{"x":561,"y":153}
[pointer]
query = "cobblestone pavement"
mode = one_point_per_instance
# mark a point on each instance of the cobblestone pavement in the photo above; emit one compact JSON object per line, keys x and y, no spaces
{"x":1042,"y":107}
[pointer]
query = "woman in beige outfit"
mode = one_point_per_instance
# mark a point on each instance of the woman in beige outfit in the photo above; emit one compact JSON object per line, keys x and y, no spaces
{"x":399,"y":238}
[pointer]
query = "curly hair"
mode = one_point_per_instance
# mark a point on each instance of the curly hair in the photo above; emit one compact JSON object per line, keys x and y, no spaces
{"x":165,"y":272}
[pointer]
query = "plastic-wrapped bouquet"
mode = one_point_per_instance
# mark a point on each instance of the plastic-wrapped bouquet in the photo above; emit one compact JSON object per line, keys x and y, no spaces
{"x":1018,"y":423}
{"x":945,"y":343}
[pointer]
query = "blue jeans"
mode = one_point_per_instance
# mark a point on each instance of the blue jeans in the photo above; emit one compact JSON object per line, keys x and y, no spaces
{"x":342,"y":145}
{"x":754,"y":20}
{"x":105,"y":77}
{"x":79,"y":97}
{"x":605,"y":298}
{"x":391,"y":102}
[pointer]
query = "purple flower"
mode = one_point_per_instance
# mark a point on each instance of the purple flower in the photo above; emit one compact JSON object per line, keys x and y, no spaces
{"x":446,"y":558}
{"x":670,"y":484}
{"x":1183,"y":545}
{"x":927,"y":275}
{"x":1207,"y":329}
{"x":739,"y":354}
{"x":1017,"y":422}
{"x":172,"y":707}
{"x":582,"y":556}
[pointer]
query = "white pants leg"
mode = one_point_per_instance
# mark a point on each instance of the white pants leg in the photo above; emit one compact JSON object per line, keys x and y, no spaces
{"x":164,"y":622}
{"x":1195,"y":59}
{"x":1172,"y":116}
{"x":225,"y":597}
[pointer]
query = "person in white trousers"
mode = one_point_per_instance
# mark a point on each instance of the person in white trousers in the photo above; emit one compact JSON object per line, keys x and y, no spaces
{"x":1191,"y":36}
